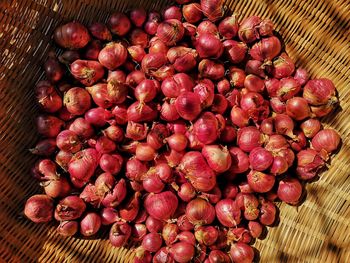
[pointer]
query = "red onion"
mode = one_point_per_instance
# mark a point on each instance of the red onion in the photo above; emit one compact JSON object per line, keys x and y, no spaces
{"x":254,"y":83}
{"x":157,"y":46}
{"x":284,"y":125}
{"x":172,"y":12}
{"x":144,"y":152}
{"x":88,"y":72}
{"x":230,"y":191}
{"x":83,"y":164}
{"x":228,"y":27}
{"x":146,"y":91}
{"x":213,"y":10}
{"x":63,"y":159}
{"x":109,"y":216}
{"x":99,"y":95}
{"x":209,"y":27}
{"x":279,"y":165}
{"x":267,"y":212}
{"x":177,"y":142}
{"x":188,"y":105}
{"x":114,"y":133}
{"x":138,"y":16}
{"x":168,"y":111}
{"x":82,"y":128}
{"x":69,"y":208}
{"x":260,"y":182}
{"x":217,"y":157}
{"x":266,"y":27}
{"x":47,"y":97}
{"x":289,"y":190}
{"x":119,"y":24}
{"x":157,"y":135}
{"x":206,"y":235}
{"x":105,"y":145}
{"x":152,"y":23}
{"x":173,"y":86}
{"x":257,"y":67}
{"x":260,"y":159}
{"x":161,"y":206}
{"x":39,"y":208}
{"x":136,"y":131}
{"x":192,"y":13}
{"x":267,"y":126}
{"x":239,"y":117}
{"x":90,"y":224}
{"x":100,"y":31}
{"x":228,"y":134}
{"x":162,"y":255}
{"x":186,"y":236}
{"x":240,"y":160}
{"x":169,"y":233}
{"x":249,"y":204}
{"x":135,"y":169}
{"x":72,"y":35}
{"x":53,"y":69}
{"x":235,"y":51}
{"x":91,"y":195}
{"x":77,"y":101}
{"x":255,"y":106}
{"x":92,"y":50}
{"x":182,"y":252}
{"x":119,"y":234}
{"x":255,"y":229}
{"x":196,"y":170}
{"x":241,"y":253}
{"x":112,"y":55}
{"x":216,"y":256}
{"x":186,"y":192}
{"x":138,"y":37}
{"x":116,"y":196}
{"x":299,"y":142}
{"x":283,"y":67}
{"x":223,"y":86}
{"x":69,"y":56}
{"x":136,"y":52}
{"x":152,"y":242}
{"x":266,"y":49}
{"x":237,"y":77}
{"x":210,"y":69}
{"x":154,"y":225}
{"x":68,"y":141}
{"x":57,"y":187}
{"x":206,"y":128}
{"x":200,"y":212}
{"x":170,"y":31}
{"x":287,"y":88}
{"x":319,"y":92}
{"x":209,"y":46}
{"x":182,"y":58}
{"x":129,"y":210}
{"x":239,"y":234}
{"x":45,"y":147}
{"x":310,"y":127}
{"x":141,"y":112}
{"x":67,"y":228}
{"x":248,"y":29}
{"x":326,"y":140}
{"x":228,"y":212}
{"x":248,"y":138}
{"x":152,"y":62}
{"x":152,"y":183}
{"x":98,"y":116}
{"x":142,"y":256}
{"x":134,"y":78}
{"x":205,"y":90}
{"x":110,"y":163}
{"x":301,"y":76}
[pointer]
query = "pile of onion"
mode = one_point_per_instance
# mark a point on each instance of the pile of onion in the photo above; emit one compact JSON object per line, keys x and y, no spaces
{"x":177,"y":131}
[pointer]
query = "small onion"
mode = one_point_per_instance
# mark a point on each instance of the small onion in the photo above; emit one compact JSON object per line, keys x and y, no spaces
{"x":327,"y":140}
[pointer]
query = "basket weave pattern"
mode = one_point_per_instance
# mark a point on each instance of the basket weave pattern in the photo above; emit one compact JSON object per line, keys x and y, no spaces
{"x":317,"y":37}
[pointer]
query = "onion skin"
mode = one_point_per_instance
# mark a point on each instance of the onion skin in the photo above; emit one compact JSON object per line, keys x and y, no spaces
{"x":326,"y":140}
{"x":240,"y":160}
{"x":289,"y":190}
{"x":69,"y":208}
{"x":248,"y":31}
{"x":218,"y":158}
{"x":161,"y":206}
{"x":119,"y":234}
{"x":235,"y":51}
{"x":88,"y":72}
{"x":68,"y":228}
{"x":39,"y":208}
{"x":170,"y":31}
{"x":182,"y":252}
{"x":248,"y":138}
{"x":241,"y":253}
{"x":212,"y":9}
{"x":113,"y":55}
{"x":260,"y":182}
{"x":72,"y":35}
{"x":310,"y":127}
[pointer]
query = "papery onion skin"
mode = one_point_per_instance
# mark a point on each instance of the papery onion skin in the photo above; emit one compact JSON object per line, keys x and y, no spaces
{"x":228,"y":212}
{"x":218,"y":158}
{"x":310,"y":127}
{"x":170,"y":31}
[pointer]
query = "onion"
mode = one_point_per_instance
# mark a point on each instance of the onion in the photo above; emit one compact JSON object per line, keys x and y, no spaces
{"x":91,"y":196}
{"x":146,"y":91}
{"x":109,"y":216}
{"x":240,"y":160}
{"x":200,"y":212}
{"x":289,"y":190}
{"x":260,"y":159}
{"x":138,"y":37}
{"x":248,"y":29}
{"x":82,"y":128}
{"x":267,"y":212}
{"x":257,"y":68}
{"x":152,"y":62}
{"x":156,"y":136}
{"x":283,"y":67}
{"x":144,"y":152}
{"x":45,"y":147}
{"x":157,"y":46}
{"x":239,"y":117}
{"x":254,"y":83}
{"x":205,"y":90}
{"x":279,"y":165}
{"x":277,"y":105}
{"x":301,"y":76}
{"x":114,"y":133}
{"x":142,"y":256}
{"x":69,"y":208}
{"x":152,"y":183}
{"x":53,"y":69}
{"x":310,"y":127}
{"x":326,"y":140}
{"x":267,"y":126}
{"x":266,"y":49}
{"x":169,"y":233}
{"x":57,"y":187}
{"x":206,"y":235}
{"x":223,"y":86}
{"x":319,"y":92}
{"x":192,"y":13}
{"x":161,"y":206}
{"x":216,"y":256}
{"x":47,"y":97}
{"x":206,"y":128}
{"x":248,"y":138}
{"x":186,"y":192}
{"x":170,"y":31}
{"x":112,"y":55}
{"x":173,"y":86}
{"x":141,"y":112}
{"x":182,"y":252}
{"x":119,"y":24}
{"x":182,"y":58}
{"x":39,"y":208}
{"x":287,"y":88}
{"x":209,"y":27}
{"x":111,"y":163}
{"x":119,"y":234}
{"x":188,"y":105}
{"x":135,"y":169}
{"x":88,"y":72}
{"x":209,"y":46}
{"x":239,"y":234}
{"x":210,"y":69}
{"x":177,"y":142}
{"x":217,"y":157}
{"x":172,"y":12}
{"x":228,"y":134}
{"x":100,"y":31}
{"x":68,"y":141}
{"x":237,"y":77}
{"x":260,"y":182}
{"x":255,"y":229}
{"x":98,"y":116}
{"x":154,"y":225}
{"x":162,"y":255}
{"x":255,"y":106}
{"x":69,"y":56}
{"x":228,"y":27}
{"x":212,"y":9}
{"x":72,"y":35}
{"x":129,"y":210}
{"x":136,"y":52}
{"x":83,"y":164}
{"x":114,"y":197}
{"x":230,"y":191}
{"x":228,"y":212}
{"x":241,"y":253}
{"x":90,"y":224}
{"x":235,"y":51}
{"x":92,"y":50}
{"x":249,"y":204}
{"x":152,"y":242}
{"x":77,"y":101}
{"x":134,"y":78}
{"x":138,"y":16}
{"x":284,"y":125}
{"x":67,"y":228}
{"x":299,"y":142}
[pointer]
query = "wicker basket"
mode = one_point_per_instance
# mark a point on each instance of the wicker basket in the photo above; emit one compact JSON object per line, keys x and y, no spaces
{"x":316,"y":34}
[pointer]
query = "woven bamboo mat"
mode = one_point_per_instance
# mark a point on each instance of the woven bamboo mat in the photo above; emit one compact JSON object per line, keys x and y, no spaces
{"x":317,"y":36}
